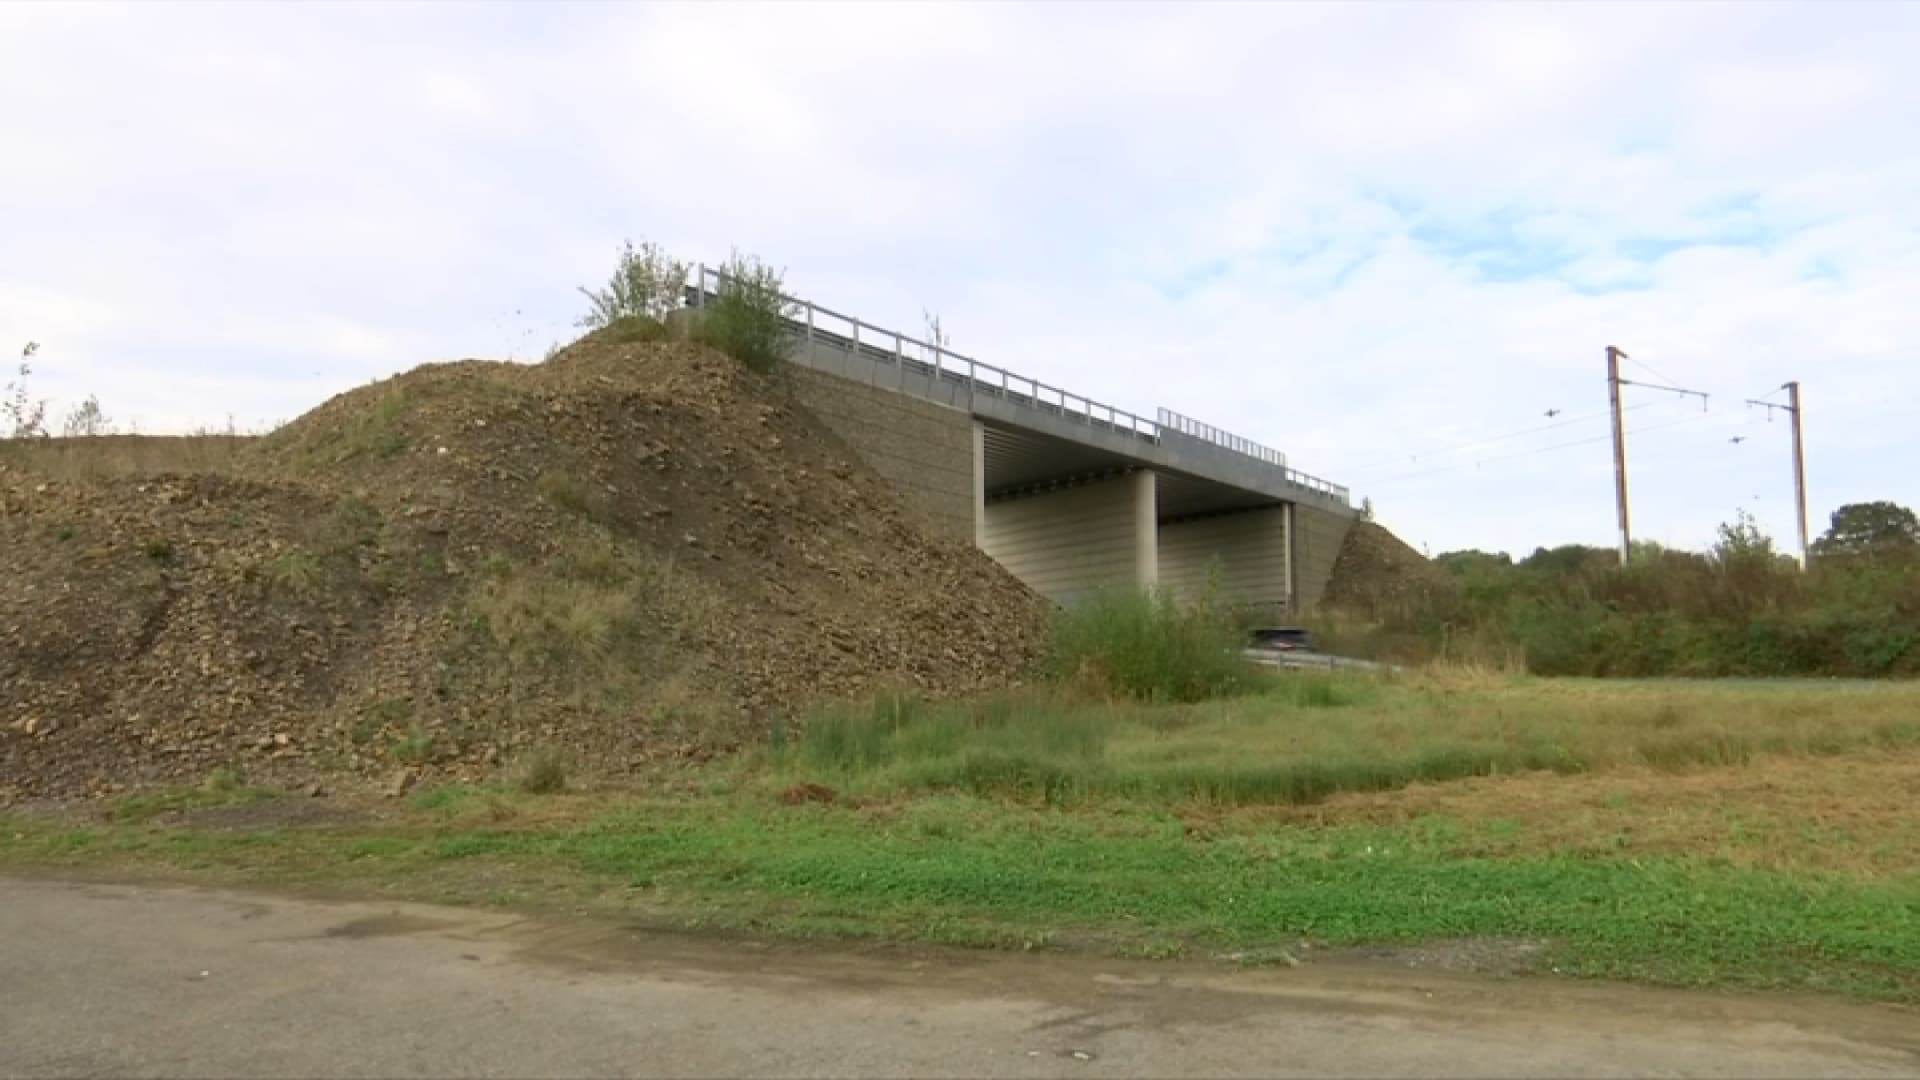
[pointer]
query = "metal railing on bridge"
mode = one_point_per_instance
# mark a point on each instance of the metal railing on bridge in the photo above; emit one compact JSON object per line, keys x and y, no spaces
{"x":1187,"y":425}
{"x":908,"y":354}
{"x":933,"y":361}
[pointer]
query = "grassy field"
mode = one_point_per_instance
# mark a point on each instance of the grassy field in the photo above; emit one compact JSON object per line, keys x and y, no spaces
{"x":1697,"y":834}
{"x":1312,"y":735}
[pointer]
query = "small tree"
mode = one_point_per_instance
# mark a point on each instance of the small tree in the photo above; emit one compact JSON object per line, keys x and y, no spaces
{"x":647,"y":284}
{"x":87,"y":420}
{"x":747,"y":319}
{"x":1741,"y":540}
{"x":26,"y":418}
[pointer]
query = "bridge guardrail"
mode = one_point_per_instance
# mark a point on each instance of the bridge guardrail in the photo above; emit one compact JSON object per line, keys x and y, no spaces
{"x":941,"y":363}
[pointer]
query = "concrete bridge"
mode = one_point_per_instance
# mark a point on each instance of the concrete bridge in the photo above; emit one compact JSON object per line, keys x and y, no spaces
{"x":1066,"y":492}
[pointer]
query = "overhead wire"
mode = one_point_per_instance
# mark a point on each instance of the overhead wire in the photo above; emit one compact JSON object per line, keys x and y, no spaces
{"x":1706,"y":412}
{"x":1651,"y":370}
{"x":1688,"y":419}
{"x":1568,"y":422}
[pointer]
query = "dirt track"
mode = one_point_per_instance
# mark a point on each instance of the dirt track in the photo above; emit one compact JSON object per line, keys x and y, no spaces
{"x":111,"y":980}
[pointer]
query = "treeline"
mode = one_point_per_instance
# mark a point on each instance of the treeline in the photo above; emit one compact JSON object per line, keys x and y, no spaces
{"x":1740,"y":608}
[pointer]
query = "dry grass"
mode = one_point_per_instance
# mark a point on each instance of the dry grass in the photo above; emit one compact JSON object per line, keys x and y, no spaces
{"x":544,"y":620}
{"x":1311,"y":736}
{"x":108,"y":456}
{"x":604,"y":624}
{"x":542,"y":772}
{"x":1456,"y":723}
{"x":1852,"y":813}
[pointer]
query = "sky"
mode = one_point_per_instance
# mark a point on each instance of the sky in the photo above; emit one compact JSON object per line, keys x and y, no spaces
{"x":1392,"y":241}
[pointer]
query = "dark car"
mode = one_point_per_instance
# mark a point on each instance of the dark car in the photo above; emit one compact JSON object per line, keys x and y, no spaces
{"x":1280,"y":639}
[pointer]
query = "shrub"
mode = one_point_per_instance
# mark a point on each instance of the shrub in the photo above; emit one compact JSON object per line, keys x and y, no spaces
{"x":747,"y":319}
{"x":1145,"y":646}
{"x":646,"y":285}
{"x":1739,"y":608}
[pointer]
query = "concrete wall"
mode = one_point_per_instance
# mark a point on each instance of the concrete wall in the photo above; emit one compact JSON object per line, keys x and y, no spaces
{"x":1068,"y":541}
{"x":925,"y":450}
{"x":1317,"y":536}
{"x":1251,"y":546}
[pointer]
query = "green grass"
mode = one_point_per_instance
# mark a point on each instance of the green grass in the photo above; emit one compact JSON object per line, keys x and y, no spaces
{"x":975,"y":871}
{"x":222,"y":787}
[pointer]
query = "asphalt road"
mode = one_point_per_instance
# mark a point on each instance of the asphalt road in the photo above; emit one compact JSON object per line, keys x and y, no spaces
{"x":113,"y":980}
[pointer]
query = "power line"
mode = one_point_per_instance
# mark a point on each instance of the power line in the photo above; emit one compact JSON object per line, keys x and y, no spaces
{"x":1688,"y":419}
{"x":1650,"y":369}
{"x":1569,"y":422}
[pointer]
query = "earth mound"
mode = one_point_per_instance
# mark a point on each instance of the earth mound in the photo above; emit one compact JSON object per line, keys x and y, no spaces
{"x":1377,"y":571}
{"x":629,"y":553}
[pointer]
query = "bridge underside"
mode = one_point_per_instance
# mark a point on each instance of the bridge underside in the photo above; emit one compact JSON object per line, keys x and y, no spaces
{"x":1022,"y":463}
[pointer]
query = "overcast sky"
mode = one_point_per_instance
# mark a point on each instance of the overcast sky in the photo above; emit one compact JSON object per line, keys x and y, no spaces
{"x":1382,"y":238}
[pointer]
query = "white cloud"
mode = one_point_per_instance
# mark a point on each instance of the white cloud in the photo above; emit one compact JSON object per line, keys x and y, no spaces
{"x":1363,"y":234}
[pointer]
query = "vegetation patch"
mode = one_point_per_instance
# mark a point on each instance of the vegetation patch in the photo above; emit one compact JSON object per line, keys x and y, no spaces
{"x":1738,"y":609}
{"x":1144,"y":646}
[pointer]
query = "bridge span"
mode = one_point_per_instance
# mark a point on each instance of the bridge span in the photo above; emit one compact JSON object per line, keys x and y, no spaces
{"x":1068,"y":493}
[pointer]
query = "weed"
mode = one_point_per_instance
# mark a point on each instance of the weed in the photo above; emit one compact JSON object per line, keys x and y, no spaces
{"x":158,"y":550}
{"x":222,"y":786}
{"x":295,"y":573}
{"x":569,"y":494}
{"x":352,"y":525}
{"x":541,"y":772}
{"x":413,"y":748}
{"x":222,"y":780}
